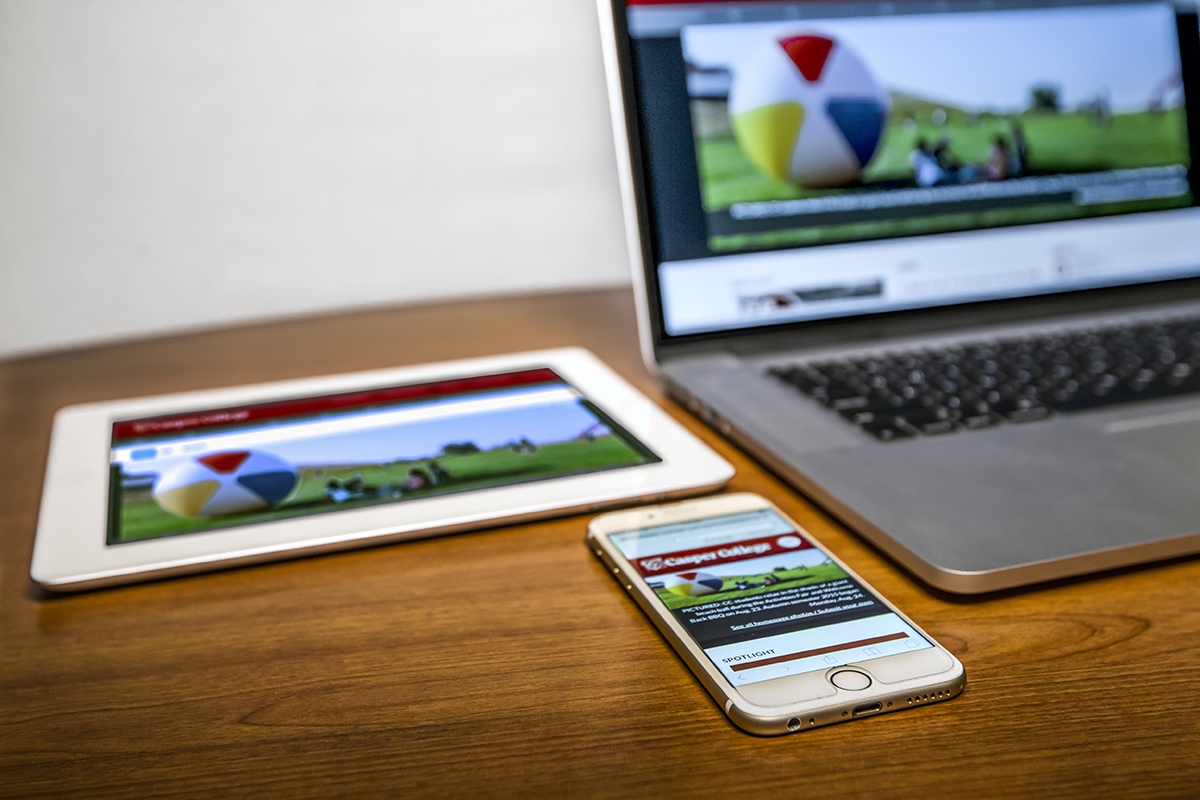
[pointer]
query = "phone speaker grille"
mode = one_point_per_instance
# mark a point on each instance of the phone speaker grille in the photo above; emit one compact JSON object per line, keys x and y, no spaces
{"x":925,"y":698}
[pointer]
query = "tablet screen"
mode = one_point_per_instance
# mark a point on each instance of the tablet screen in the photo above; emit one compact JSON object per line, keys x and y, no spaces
{"x":216,"y":468}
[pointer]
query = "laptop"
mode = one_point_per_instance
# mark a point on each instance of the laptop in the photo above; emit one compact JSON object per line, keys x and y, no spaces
{"x":937,"y":264}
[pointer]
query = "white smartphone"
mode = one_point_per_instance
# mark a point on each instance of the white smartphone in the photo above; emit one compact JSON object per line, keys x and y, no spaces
{"x":782,"y":634}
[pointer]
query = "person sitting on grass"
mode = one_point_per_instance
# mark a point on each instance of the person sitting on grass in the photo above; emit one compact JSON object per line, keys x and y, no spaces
{"x":926,"y":171}
{"x":416,"y":479}
{"x":437,"y":473}
{"x":1018,"y":159}
{"x":998,"y":161}
{"x":953,"y":170}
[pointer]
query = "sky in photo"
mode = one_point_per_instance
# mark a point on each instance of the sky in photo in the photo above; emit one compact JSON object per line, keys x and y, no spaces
{"x":540,"y":424}
{"x":982,"y":60}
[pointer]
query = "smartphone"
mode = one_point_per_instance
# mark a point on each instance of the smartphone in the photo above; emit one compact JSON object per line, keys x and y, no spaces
{"x":784,"y":636}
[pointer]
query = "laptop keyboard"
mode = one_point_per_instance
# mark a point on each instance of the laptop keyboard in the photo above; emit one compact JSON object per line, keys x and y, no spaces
{"x":898,"y":395}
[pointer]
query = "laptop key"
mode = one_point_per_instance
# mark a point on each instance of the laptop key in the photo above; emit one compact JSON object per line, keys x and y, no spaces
{"x":867,"y":411}
{"x":803,"y":380}
{"x":926,"y":420}
{"x":1021,"y":409}
{"x":986,"y":420}
{"x":886,"y":430}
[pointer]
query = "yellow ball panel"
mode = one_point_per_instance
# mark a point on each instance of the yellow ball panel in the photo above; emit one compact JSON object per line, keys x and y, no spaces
{"x":768,"y":134}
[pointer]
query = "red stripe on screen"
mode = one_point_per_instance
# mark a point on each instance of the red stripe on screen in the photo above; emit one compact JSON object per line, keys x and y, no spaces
{"x":891,"y":637}
{"x":305,"y":406}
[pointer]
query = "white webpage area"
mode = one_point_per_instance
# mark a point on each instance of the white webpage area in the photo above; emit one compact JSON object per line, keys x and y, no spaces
{"x":750,"y":289}
{"x":816,"y":648}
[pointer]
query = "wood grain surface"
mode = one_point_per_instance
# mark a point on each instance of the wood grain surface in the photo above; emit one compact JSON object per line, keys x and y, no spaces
{"x":506,"y":662}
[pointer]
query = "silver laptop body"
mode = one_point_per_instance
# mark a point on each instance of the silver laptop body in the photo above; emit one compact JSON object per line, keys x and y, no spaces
{"x":814,"y":185}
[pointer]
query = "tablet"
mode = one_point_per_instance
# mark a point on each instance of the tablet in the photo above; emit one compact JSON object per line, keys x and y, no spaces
{"x":179,"y":483}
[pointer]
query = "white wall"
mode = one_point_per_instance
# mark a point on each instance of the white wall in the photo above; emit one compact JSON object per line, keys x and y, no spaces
{"x":173,"y":164}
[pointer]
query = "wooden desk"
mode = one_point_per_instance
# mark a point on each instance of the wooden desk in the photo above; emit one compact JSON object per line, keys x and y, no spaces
{"x":506,"y":662}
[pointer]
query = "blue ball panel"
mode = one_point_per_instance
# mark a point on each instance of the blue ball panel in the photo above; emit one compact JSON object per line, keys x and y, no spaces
{"x":861,"y":122}
{"x":270,"y":486}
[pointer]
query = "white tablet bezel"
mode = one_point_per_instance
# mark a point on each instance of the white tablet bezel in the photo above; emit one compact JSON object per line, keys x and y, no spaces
{"x":70,"y":551}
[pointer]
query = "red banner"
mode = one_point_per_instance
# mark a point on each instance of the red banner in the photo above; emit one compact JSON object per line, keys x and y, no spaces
{"x":306,"y":406}
{"x":684,"y":560}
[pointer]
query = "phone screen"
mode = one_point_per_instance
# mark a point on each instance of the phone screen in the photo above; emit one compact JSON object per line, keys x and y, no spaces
{"x":760,"y":599}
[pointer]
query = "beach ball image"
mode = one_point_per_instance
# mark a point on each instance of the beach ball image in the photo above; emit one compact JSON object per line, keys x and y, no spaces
{"x":693,"y":584}
{"x":219,"y":484}
{"x":805,"y":109}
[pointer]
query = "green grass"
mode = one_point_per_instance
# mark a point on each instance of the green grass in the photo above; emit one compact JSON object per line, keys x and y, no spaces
{"x":1073,"y":142}
{"x":1057,"y":143}
{"x":789,"y":579}
{"x":142,"y":518}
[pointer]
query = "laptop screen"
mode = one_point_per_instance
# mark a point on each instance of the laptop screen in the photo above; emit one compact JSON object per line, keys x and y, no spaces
{"x":803,"y":161}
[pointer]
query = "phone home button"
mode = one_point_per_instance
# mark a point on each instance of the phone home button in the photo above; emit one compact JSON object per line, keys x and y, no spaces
{"x":850,"y":679}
